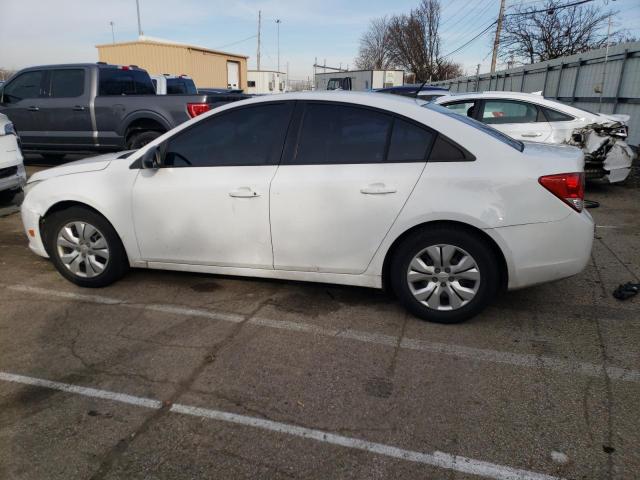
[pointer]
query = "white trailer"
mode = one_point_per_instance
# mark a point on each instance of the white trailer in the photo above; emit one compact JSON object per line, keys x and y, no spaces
{"x":261,"y":82}
{"x":359,"y":80}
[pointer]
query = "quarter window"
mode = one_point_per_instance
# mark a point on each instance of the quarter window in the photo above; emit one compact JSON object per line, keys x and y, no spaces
{"x":462,"y":108}
{"x":67,"y":83}
{"x":555,"y":116}
{"x":497,"y":112}
{"x":409,"y":143}
{"x":334,"y":134}
{"x":245,"y":136}
{"x":24,"y":86}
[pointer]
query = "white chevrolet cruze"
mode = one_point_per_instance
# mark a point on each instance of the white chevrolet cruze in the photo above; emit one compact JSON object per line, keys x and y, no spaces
{"x":336,"y":187}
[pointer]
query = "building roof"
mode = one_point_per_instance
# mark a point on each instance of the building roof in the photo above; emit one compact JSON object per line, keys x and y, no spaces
{"x":162,"y":42}
{"x":267,"y":71}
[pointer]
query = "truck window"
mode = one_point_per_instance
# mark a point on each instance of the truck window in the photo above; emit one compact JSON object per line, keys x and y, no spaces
{"x":24,"y":86}
{"x":67,"y":83}
{"x":115,"y":81}
{"x":181,"y":85}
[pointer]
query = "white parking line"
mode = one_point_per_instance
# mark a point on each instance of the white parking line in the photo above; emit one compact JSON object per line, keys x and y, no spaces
{"x":435,"y":459}
{"x":470,"y":353}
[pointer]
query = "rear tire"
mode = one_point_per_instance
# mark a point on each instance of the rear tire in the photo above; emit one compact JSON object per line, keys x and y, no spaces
{"x":139,"y":140}
{"x":461,"y":281}
{"x":84,"y":247}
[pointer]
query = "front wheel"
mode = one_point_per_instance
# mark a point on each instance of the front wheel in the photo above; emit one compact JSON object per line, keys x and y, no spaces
{"x":84,"y":247}
{"x":445,"y":274}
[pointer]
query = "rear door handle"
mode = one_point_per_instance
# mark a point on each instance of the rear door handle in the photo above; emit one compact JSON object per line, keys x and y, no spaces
{"x":78,"y":108}
{"x":377,"y":189}
{"x":244,"y":192}
{"x":532,"y":134}
{"x":33,"y":108}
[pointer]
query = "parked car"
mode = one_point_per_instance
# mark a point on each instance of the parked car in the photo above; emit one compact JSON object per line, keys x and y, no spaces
{"x":416,"y":90}
{"x":60,"y":109}
{"x":167,"y":84}
{"x":336,"y":187}
{"x":532,"y":117}
{"x":12,"y":173}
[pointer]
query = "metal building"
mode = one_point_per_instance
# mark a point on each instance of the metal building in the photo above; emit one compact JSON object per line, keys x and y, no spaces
{"x":599,"y":80}
{"x":208,"y":68}
{"x":261,"y":82}
{"x":359,"y":80}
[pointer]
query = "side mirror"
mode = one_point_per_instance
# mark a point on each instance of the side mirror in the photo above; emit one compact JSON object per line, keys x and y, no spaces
{"x":151,"y":158}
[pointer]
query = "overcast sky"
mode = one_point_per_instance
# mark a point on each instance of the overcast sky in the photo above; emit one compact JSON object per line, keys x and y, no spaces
{"x":53,"y":31}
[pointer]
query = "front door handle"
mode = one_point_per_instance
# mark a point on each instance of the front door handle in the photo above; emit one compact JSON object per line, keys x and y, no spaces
{"x":532,"y":134}
{"x":33,"y":108}
{"x":78,"y":108}
{"x":377,"y":189}
{"x":244,"y":192}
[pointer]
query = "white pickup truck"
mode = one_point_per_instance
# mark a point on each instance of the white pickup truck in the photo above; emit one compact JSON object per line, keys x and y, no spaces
{"x":166,"y":84}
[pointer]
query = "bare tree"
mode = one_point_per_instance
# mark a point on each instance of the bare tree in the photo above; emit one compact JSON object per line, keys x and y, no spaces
{"x":6,"y":73}
{"x":415,"y":43}
{"x":375,"y":53}
{"x":531,"y":35}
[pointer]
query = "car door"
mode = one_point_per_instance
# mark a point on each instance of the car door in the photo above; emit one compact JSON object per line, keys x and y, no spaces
{"x":520,"y":120}
{"x":345,"y":176}
{"x":20,"y":101}
{"x":208,"y":204}
{"x":64,"y":109}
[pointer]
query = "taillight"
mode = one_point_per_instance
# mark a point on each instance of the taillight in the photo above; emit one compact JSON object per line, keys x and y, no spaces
{"x":196,"y":109}
{"x":568,"y":187}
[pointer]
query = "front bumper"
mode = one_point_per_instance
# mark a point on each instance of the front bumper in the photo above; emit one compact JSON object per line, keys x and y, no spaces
{"x":12,"y":172}
{"x":31,"y":224}
{"x":544,"y":252}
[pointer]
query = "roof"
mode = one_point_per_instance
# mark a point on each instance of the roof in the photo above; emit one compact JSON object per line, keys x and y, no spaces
{"x":169,"y":43}
{"x":266,"y":71}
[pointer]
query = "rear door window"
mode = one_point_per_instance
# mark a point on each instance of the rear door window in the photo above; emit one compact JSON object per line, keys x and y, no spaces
{"x":67,"y":83}
{"x":497,"y":112}
{"x":339,"y":134}
{"x":26,"y":85}
{"x":465,"y":108}
{"x":409,"y":142}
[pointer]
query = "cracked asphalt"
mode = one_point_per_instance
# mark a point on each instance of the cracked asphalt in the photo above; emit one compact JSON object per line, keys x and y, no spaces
{"x":545,"y":382}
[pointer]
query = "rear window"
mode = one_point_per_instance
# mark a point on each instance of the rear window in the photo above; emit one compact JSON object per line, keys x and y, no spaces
{"x":477,"y":125}
{"x":114,"y":81}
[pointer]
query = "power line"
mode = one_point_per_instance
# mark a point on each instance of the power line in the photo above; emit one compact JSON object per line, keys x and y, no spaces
{"x":472,"y":40}
{"x":235,"y":43}
{"x":551,"y":9}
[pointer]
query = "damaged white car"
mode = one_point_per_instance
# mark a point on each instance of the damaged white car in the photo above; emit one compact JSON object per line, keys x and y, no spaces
{"x":531,"y":117}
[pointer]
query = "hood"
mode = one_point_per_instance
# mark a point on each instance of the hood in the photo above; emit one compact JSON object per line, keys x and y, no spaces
{"x":92,"y":164}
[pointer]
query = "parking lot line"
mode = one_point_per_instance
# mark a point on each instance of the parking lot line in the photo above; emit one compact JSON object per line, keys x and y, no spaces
{"x":460,"y":351}
{"x":435,"y":459}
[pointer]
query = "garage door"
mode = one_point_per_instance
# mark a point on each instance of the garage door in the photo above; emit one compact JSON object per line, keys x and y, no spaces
{"x":233,"y":74}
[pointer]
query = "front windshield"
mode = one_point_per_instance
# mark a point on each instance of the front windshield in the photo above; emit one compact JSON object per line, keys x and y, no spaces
{"x":476,"y":124}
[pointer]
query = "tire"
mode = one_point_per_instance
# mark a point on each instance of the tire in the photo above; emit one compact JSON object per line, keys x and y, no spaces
{"x":468,"y":296}
{"x":140,"y":139}
{"x":53,"y":157}
{"x":62,"y":232}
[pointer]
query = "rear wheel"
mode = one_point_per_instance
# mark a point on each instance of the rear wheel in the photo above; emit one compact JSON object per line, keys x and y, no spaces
{"x":444,"y":274}
{"x":139,"y":140}
{"x":84,"y":247}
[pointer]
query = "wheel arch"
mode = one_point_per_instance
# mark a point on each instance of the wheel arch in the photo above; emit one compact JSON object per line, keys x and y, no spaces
{"x":63,"y":205}
{"x":142,"y":122}
{"x":495,"y":248}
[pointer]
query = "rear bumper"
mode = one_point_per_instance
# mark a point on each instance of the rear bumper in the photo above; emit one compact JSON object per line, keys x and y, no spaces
{"x":544,"y":252}
{"x":11,"y":158}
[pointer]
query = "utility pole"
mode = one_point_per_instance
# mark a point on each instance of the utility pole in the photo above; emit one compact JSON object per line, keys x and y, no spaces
{"x":140,"y":33}
{"x":604,"y":69}
{"x":113,"y":33}
{"x":278,"y":22}
{"x":496,"y":41}
{"x":258,"y":53}
{"x":477,"y":77}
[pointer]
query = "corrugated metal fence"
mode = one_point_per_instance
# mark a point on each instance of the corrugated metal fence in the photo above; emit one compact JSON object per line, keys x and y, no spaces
{"x":590,"y":80}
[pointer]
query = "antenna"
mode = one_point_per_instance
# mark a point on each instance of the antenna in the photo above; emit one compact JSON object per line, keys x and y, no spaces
{"x":420,"y":89}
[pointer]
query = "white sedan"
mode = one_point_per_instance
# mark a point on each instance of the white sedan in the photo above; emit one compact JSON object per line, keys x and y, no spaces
{"x":340,"y":187}
{"x":533,"y":118}
{"x":12,"y":172}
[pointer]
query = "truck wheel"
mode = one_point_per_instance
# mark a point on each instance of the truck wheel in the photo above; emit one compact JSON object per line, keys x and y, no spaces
{"x":139,"y":140}
{"x":84,"y":247}
{"x":444,"y":274}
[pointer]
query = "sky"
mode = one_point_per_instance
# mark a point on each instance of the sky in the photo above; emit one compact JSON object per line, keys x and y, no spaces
{"x":66,"y":31}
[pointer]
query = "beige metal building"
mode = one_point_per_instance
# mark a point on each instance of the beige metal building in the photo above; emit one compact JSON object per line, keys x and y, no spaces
{"x":208,"y":68}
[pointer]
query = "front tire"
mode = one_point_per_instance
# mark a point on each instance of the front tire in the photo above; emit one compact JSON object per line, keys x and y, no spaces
{"x":445,"y":274}
{"x":84,"y":247}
